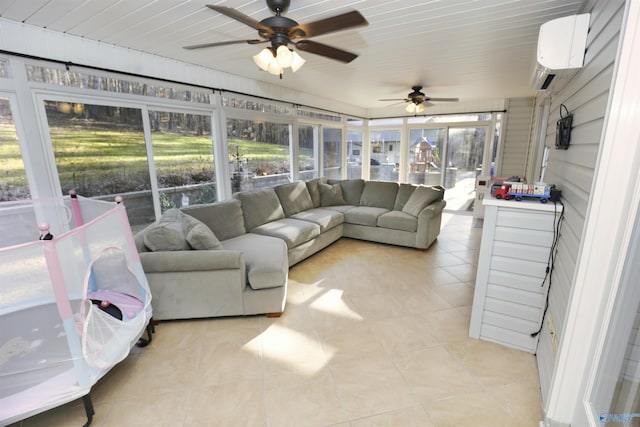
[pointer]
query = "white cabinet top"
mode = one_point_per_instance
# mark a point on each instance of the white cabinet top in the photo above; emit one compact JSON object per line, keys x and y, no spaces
{"x":531,"y":204}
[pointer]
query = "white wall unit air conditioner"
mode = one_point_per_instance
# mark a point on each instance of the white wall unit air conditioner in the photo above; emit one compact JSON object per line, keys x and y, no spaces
{"x":561,"y":46}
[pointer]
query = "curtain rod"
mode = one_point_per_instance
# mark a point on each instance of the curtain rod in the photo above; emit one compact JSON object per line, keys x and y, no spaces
{"x":68,"y":64}
{"x":438,"y":114}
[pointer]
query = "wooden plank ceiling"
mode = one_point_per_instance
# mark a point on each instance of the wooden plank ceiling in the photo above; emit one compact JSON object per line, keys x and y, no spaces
{"x":470,"y":49}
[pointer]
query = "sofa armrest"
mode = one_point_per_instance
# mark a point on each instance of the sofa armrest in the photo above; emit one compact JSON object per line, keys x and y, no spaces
{"x":202,"y":260}
{"x":433,"y":209}
{"x":429,"y":221}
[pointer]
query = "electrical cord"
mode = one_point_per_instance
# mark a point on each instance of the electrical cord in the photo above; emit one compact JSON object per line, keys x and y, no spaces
{"x":551,"y":260}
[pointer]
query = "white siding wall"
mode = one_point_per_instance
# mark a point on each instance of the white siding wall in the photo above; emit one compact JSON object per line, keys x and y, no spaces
{"x":632,"y":354}
{"x":572,"y":170}
{"x":513,"y":157}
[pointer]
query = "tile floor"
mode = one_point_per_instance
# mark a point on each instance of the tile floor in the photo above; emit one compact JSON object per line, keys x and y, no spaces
{"x":372,"y":335}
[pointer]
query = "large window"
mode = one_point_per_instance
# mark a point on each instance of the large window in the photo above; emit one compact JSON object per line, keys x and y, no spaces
{"x":332,"y":152}
{"x":465,"y":148}
{"x":13,"y":180}
{"x":385,"y":155}
{"x":97,"y":122}
{"x":100,"y":151}
{"x":259,"y":153}
{"x":183,"y":158}
{"x":354,"y":148}
{"x":308,"y":149}
{"x":354,"y":154}
{"x":384,"y":137}
{"x":426,"y":155}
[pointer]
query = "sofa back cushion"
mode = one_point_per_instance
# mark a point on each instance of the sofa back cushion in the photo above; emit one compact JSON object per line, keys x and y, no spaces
{"x":225,"y":219}
{"x":404,"y":192}
{"x":352,"y":191}
{"x":259,"y":207}
{"x":331,"y":195}
{"x":379,"y":194}
{"x":294,"y":197}
{"x":422,"y":197}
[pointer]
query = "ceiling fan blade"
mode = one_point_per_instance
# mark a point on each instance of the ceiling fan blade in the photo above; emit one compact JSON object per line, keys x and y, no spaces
{"x":328,"y":25}
{"x":203,"y":45}
{"x":427,"y":104}
{"x":325,"y":50}
{"x":241,"y":17}
{"x":395,"y":99}
{"x":444,"y":99}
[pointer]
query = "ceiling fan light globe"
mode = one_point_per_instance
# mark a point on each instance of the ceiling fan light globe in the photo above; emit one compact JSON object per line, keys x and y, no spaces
{"x":411,"y":107}
{"x":263,"y":59}
{"x":297,"y":61}
{"x":284,"y":56}
{"x":419,"y":108}
{"x":274,"y":68}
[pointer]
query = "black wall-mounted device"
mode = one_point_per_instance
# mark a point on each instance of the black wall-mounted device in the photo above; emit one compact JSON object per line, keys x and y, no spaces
{"x":563,"y":129}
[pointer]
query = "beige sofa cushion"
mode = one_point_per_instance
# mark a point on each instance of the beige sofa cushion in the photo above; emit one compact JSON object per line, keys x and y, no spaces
{"x":364,"y":215}
{"x":265,"y":257}
{"x":379,"y":194}
{"x":397,"y":220}
{"x":293,"y":231}
{"x":225,"y":219}
{"x":294,"y":197}
{"x":325,"y":218}
{"x":422,"y":197}
{"x":259,"y":207}
{"x":352,"y":191}
{"x":331,"y":195}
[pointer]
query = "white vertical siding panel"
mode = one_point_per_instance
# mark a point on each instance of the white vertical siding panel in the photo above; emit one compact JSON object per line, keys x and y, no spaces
{"x":513,"y":161}
{"x":632,"y":356}
{"x":572,"y":170}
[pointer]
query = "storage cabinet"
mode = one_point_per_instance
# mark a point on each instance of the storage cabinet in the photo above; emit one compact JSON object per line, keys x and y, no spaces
{"x":511,"y":282}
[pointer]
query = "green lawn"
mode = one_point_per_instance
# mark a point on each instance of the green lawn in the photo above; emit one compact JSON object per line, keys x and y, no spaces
{"x":100,"y":161}
{"x":13,"y":182}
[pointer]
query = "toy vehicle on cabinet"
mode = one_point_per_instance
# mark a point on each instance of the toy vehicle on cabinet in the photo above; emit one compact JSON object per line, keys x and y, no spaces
{"x":502,"y":192}
{"x":519,"y":191}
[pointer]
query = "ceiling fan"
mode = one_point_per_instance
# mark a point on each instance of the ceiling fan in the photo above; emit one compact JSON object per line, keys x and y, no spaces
{"x":417,"y":100}
{"x":281,"y":32}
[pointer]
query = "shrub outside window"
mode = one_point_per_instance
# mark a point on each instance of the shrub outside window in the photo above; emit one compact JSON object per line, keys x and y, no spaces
{"x":259,"y":154}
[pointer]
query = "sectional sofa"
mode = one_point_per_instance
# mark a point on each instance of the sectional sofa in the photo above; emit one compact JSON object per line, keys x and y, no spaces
{"x":232,"y":257}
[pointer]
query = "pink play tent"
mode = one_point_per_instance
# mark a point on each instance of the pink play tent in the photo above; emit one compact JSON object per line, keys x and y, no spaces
{"x":73,"y":301}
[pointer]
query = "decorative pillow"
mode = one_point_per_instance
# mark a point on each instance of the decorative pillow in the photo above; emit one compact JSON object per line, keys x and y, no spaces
{"x":167,"y":234}
{"x":404,"y":192}
{"x":198,"y":235}
{"x":331,"y":195}
{"x":420,"y":198}
{"x":314,"y":190}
